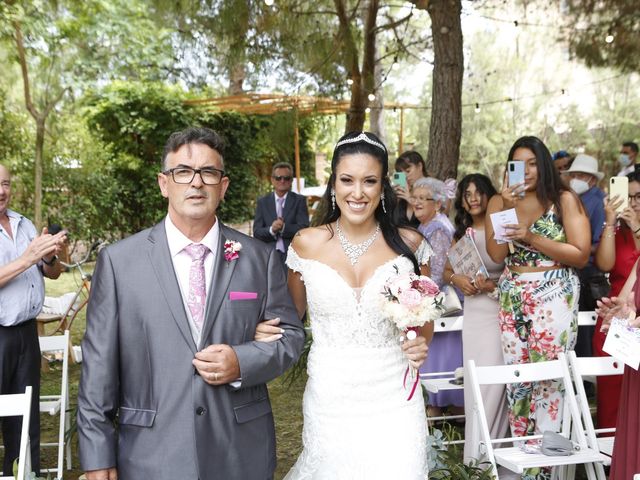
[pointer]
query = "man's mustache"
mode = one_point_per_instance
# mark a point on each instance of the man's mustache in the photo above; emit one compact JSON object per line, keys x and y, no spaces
{"x":194,"y":192}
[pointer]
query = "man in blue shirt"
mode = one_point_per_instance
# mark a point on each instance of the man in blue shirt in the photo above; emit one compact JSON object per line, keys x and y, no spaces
{"x":584,"y":177}
{"x":25,"y":257}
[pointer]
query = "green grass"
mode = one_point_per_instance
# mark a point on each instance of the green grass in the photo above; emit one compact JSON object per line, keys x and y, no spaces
{"x":286,"y":400}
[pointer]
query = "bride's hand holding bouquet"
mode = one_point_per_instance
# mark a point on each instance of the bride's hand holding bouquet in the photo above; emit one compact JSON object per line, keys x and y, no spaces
{"x":410,"y":301}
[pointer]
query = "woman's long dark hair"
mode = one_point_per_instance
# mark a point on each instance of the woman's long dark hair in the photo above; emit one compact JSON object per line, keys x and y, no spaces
{"x":411,"y":157}
{"x":549,"y":187}
{"x":463,"y":219}
{"x":388,"y":222}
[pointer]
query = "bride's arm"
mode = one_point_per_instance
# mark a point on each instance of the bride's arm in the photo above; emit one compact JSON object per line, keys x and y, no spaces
{"x":298,"y":292}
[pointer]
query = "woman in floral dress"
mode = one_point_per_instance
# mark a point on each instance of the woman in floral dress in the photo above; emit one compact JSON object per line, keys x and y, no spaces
{"x":539,"y":289}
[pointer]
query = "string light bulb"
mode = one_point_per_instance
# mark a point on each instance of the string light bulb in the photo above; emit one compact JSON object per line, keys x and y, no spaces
{"x":268,"y":3}
{"x":349,"y":81}
{"x":609,"y":37}
{"x":477,"y":109}
{"x":367,"y":110}
{"x":371,"y":97}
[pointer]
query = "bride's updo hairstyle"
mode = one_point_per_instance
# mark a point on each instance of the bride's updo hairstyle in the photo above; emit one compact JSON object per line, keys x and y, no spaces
{"x":367,"y":143}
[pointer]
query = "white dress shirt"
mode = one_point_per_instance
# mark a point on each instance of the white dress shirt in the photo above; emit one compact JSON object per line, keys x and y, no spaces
{"x":182,"y":264}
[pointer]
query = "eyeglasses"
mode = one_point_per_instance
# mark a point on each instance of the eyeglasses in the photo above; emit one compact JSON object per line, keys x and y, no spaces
{"x":282,"y":178}
{"x":634,"y":198}
{"x":185,"y":175}
{"x":422,"y":199}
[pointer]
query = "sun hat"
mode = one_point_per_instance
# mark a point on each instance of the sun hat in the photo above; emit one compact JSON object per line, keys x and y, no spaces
{"x":586,"y":164}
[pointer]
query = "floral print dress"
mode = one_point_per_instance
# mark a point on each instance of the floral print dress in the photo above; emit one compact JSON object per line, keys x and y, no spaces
{"x":538,"y":318}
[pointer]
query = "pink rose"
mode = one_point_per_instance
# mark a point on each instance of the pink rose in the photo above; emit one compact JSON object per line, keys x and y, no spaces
{"x":428,"y":286}
{"x":410,"y":298}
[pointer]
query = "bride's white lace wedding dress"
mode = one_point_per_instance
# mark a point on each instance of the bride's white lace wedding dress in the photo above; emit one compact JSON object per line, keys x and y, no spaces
{"x":358,"y":423}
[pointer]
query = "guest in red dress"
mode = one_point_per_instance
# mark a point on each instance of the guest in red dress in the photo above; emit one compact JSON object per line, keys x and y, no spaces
{"x":626,"y":461}
{"x":617,"y":252}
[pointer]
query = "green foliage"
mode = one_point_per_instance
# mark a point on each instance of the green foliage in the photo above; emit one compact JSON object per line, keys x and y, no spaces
{"x":445,"y":462}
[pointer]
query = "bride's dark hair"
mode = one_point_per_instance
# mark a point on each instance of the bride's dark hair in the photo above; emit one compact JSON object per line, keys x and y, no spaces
{"x":374,"y":147}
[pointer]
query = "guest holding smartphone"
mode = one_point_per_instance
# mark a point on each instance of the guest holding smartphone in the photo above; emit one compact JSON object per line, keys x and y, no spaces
{"x":539,"y":288}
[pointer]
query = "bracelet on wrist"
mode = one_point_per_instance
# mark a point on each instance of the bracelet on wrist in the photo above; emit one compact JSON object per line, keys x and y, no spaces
{"x":50,"y":262}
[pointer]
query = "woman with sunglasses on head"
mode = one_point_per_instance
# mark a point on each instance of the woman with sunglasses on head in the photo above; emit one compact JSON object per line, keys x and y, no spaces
{"x":412,"y":165}
{"x":358,"y":422}
{"x":550,"y":239}
{"x":617,"y":252}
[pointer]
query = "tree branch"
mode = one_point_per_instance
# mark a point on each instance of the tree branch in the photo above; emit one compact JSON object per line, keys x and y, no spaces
{"x":395,"y":24}
{"x":22,"y":58}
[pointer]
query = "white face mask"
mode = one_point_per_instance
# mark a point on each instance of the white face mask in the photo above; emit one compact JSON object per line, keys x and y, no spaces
{"x":624,"y":160}
{"x":579,"y":186}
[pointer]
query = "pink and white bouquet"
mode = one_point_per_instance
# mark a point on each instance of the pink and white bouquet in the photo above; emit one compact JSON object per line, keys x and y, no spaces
{"x":410,"y":301}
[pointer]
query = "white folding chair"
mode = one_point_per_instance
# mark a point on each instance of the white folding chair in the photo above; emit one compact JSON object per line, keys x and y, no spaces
{"x":514,"y":458}
{"x":19,"y":405}
{"x":587,"y":319}
{"x":437,"y":381}
{"x":587,"y":367}
{"x":58,"y":404}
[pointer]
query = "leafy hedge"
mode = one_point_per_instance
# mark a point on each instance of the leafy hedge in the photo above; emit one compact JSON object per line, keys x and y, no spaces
{"x":112,"y":189}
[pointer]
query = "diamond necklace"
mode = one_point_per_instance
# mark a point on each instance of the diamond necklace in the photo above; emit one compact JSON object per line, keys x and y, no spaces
{"x":355,"y":251}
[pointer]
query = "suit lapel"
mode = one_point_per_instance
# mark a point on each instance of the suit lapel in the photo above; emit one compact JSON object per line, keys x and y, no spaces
{"x":288,"y":204}
{"x":160,"y":257}
{"x":221,"y":276}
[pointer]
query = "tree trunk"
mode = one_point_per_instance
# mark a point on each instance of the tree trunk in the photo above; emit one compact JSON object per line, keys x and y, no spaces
{"x":363,"y":79}
{"x":376,"y":117}
{"x":446,"y":99}
{"x":237,"y":75}
{"x":37,"y":207}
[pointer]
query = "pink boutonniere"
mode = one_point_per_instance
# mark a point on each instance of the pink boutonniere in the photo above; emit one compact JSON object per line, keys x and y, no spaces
{"x":231,"y":249}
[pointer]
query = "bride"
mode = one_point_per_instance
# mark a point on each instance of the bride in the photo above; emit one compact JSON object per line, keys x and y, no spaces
{"x":358,"y":423}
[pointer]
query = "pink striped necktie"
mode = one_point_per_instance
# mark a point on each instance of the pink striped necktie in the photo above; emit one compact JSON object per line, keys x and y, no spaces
{"x":280,"y":213}
{"x":197,"y":297}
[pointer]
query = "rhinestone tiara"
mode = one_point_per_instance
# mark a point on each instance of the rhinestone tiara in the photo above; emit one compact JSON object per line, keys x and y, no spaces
{"x":362,"y":138}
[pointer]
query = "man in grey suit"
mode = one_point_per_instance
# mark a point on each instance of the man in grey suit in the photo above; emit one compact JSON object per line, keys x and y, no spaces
{"x":173,"y":384}
{"x":282,"y":213}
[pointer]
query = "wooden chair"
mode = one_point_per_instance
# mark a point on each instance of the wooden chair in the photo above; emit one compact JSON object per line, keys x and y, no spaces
{"x":514,"y":458}
{"x":58,"y":404}
{"x":19,"y":405}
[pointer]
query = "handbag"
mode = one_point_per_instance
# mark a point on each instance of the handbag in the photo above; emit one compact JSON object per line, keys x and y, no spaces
{"x":451,"y":302}
{"x":554,"y":444}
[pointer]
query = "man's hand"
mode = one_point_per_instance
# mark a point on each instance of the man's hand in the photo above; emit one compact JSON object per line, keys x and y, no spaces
{"x":277,"y":225}
{"x":217,"y":364}
{"x":44,"y":246}
{"x":107,"y":474}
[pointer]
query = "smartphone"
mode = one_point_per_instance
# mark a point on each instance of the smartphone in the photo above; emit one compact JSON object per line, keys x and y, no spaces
{"x":620,"y":186}
{"x":400,"y":179}
{"x":515,"y":173}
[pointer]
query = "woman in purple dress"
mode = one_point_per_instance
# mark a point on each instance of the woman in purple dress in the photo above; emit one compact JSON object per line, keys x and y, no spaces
{"x":445,"y":352}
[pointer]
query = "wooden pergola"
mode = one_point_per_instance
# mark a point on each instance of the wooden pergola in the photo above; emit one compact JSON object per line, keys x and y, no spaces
{"x":271,"y":103}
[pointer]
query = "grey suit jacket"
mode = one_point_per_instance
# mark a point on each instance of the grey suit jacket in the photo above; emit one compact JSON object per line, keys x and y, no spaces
{"x":142,"y":407}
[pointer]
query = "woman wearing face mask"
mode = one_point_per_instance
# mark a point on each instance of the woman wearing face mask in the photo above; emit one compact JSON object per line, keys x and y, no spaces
{"x":617,"y":252}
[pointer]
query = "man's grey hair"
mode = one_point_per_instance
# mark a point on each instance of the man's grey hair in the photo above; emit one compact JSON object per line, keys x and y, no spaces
{"x":281,"y":165}
{"x":191,"y":135}
{"x":435,"y":186}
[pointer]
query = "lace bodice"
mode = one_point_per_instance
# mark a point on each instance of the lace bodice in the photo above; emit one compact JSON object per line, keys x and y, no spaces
{"x":344,"y":316}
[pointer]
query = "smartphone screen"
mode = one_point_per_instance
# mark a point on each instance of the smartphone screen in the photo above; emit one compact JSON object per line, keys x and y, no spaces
{"x":515,"y":173}
{"x":400,"y":179}
{"x":620,"y":186}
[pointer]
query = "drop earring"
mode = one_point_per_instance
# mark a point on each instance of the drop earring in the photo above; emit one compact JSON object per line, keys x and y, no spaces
{"x":333,"y":199}
{"x":384,"y":208}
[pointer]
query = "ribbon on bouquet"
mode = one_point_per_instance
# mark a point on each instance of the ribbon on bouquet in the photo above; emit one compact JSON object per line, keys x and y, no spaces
{"x":412,"y":332}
